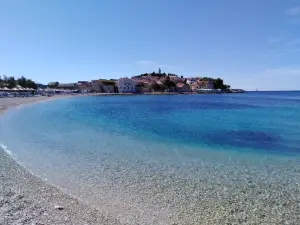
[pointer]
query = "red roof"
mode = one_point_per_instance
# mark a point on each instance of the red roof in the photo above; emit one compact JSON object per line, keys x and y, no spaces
{"x":180,"y":85}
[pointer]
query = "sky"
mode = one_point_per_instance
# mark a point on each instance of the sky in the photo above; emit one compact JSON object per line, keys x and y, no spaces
{"x":249,"y":44}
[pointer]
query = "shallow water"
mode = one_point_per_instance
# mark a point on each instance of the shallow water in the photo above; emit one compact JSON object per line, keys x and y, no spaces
{"x":135,"y":155}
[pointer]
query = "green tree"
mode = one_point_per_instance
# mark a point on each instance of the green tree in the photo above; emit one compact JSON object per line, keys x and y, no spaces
{"x":31,"y":84}
{"x":219,"y":84}
{"x":156,"y":87}
{"x":11,"y":82}
{"x":168,"y":83}
{"x":5,"y":79}
{"x":207,"y":78}
{"x":22,"y":81}
{"x":140,"y":85}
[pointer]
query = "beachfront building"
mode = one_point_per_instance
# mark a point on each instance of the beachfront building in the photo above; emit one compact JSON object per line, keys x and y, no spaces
{"x":69,"y":86}
{"x":53,"y":84}
{"x":103,"y":86}
{"x":181,"y":87}
{"x":84,"y":86}
{"x":126,"y":85}
{"x":197,"y":85}
{"x":143,"y":87}
{"x":192,"y":80}
{"x":205,"y":84}
{"x":194,"y":87}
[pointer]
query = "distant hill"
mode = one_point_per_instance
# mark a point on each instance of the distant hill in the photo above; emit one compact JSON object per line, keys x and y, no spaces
{"x":154,"y":74}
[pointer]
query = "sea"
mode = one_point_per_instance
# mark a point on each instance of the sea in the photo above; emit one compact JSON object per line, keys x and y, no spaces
{"x":158,"y":156}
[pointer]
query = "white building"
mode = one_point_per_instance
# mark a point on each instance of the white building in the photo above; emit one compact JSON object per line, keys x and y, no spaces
{"x":191,"y":80}
{"x":126,"y":85}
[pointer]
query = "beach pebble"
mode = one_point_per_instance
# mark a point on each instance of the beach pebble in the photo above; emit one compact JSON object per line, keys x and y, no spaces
{"x":58,"y":207}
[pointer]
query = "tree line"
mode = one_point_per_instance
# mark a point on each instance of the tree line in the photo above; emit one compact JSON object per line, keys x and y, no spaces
{"x":12,"y":82}
{"x":166,"y":85}
{"x":157,"y":74}
{"x":218,"y":83}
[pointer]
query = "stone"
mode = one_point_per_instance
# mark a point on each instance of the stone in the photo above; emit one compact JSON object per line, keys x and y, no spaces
{"x":58,"y":207}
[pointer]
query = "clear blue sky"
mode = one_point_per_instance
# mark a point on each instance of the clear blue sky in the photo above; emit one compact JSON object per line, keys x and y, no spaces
{"x":250,"y":44}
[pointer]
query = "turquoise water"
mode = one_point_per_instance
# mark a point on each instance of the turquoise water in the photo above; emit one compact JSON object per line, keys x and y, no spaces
{"x":265,"y":122}
{"x":104,"y":148}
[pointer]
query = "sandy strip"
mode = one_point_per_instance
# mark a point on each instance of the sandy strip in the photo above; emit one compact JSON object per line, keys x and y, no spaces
{"x":25,"y":199}
{"x":6,"y":103}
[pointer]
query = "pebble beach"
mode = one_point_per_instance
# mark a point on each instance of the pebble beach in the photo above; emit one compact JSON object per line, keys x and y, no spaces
{"x":26,"y":199}
{"x":219,"y":194}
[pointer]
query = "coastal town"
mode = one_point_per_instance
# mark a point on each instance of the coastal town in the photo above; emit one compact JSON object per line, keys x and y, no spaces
{"x":147,"y":83}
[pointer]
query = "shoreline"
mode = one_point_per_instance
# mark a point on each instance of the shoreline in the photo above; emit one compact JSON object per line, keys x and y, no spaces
{"x":9,"y":103}
{"x":27,"y":199}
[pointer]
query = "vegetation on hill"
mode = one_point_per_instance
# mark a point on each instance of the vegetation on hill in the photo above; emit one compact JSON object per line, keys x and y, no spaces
{"x":154,"y":74}
{"x":218,"y":83}
{"x":156,"y":87}
{"x":166,"y":85}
